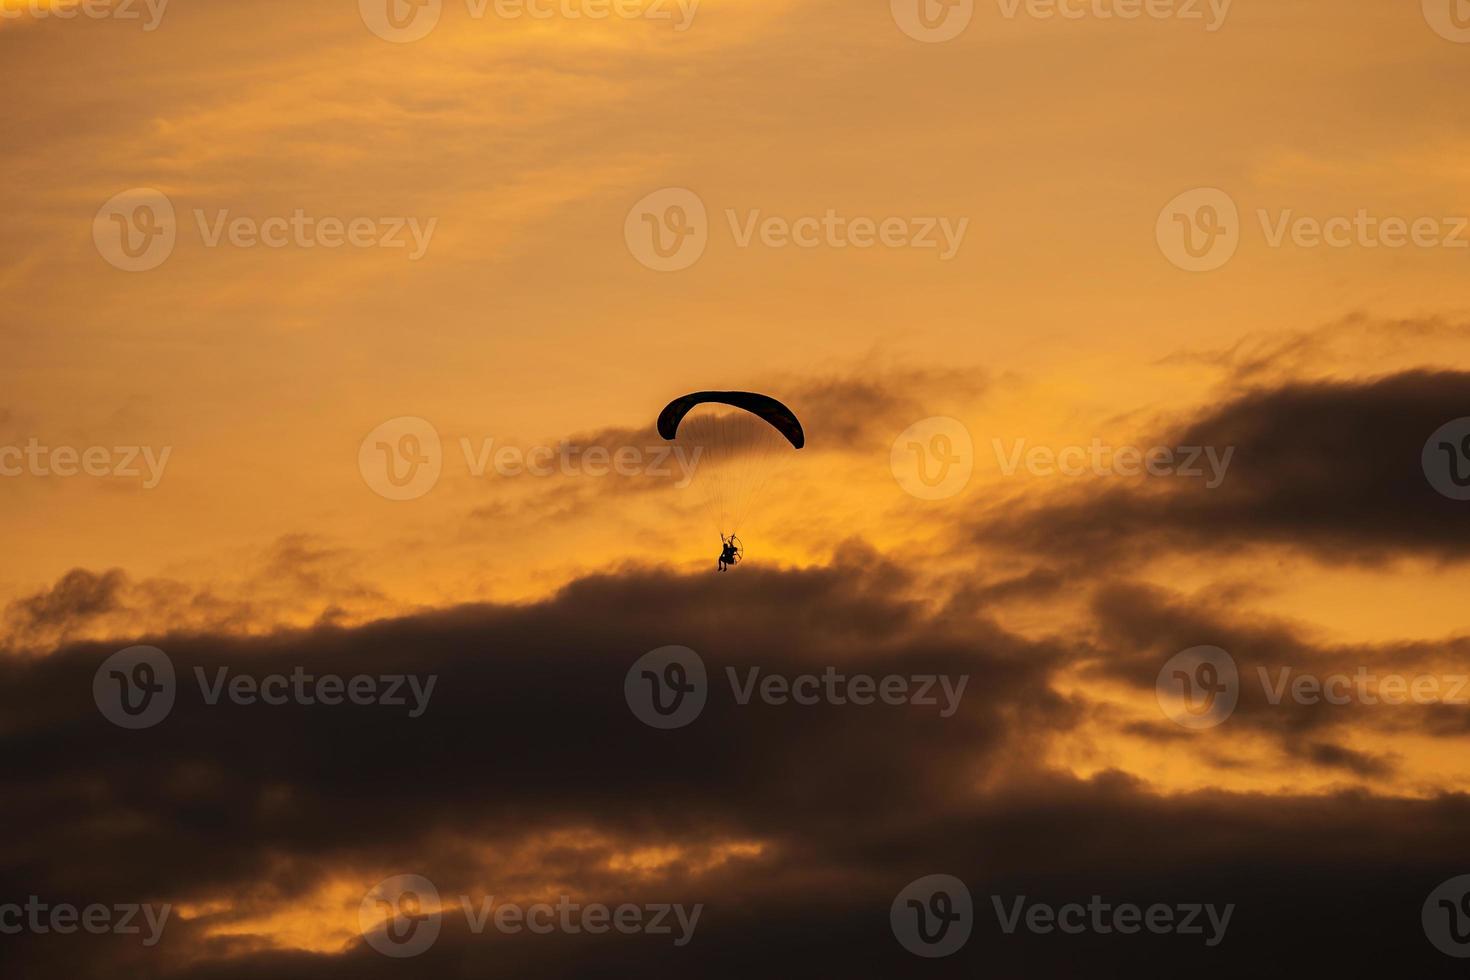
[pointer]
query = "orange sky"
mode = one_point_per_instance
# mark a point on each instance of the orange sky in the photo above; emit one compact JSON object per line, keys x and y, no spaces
{"x":529,"y":318}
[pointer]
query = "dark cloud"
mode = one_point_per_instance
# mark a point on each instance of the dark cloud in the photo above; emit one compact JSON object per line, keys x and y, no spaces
{"x":527,"y":733}
{"x":529,"y":767}
{"x":1277,"y":356}
{"x":1332,"y":468}
{"x":1313,"y":701}
{"x":295,"y":578}
{"x":1339,"y":757}
{"x":79,"y":595}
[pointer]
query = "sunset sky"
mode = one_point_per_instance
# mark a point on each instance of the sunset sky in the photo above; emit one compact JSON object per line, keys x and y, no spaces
{"x":999,"y":220}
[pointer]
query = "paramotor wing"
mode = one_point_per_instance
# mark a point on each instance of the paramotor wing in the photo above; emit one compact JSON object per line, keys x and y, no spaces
{"x":781,"y":418}
{"x":734,"y":453}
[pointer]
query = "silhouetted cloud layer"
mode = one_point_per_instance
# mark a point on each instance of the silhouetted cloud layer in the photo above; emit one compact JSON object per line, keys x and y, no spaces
{"x":1332,"y":468}
{"x":794,"y":826}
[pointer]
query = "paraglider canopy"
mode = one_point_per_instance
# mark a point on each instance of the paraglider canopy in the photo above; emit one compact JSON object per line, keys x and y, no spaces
{"x":780,"y":417}
{"x":736,"y":452}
